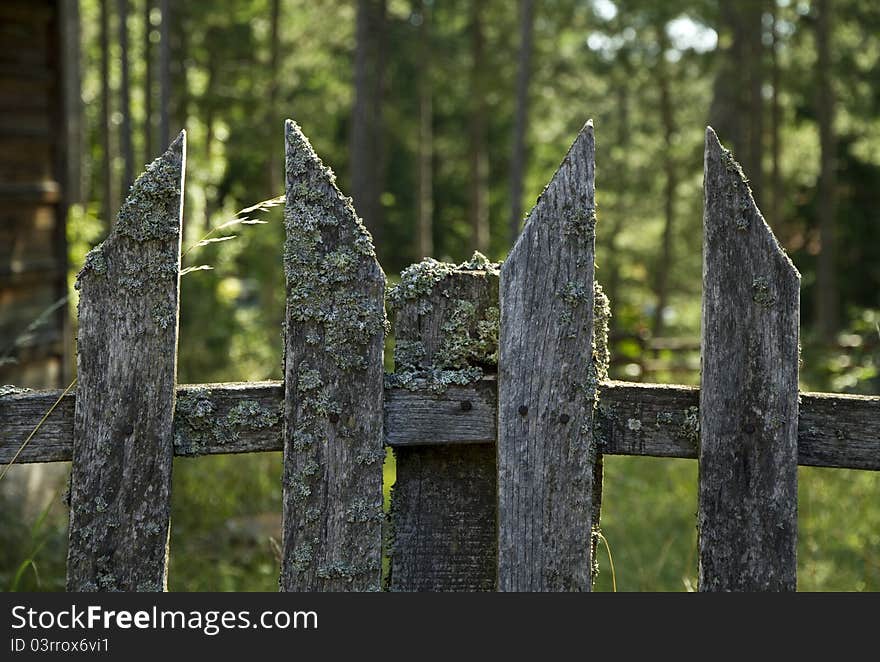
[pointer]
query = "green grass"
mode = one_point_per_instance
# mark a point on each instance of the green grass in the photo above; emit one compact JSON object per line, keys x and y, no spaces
{"x":649,"y":519}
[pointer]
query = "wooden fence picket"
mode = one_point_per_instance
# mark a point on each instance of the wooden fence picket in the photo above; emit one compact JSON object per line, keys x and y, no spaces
{"x":120,"y":493}
{"x":444,"y":498}
{"x":549,"y":469}
{"x":749,"y":392}
{"x":333,"y":346}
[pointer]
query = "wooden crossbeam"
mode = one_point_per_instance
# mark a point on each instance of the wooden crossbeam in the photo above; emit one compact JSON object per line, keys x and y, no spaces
{"x":654,"y":420}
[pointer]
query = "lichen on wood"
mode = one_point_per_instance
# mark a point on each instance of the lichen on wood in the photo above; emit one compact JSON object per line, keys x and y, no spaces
{"x":446,"y":323}
{"x":444,"y":500}
{"x":199,"y":423}
{"x":748,"y":413}
{"x":126,"y":361}
{"x":333,"y":343}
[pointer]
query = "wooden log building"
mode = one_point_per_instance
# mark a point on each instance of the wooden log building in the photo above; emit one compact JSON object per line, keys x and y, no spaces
{"x":39,"y":176}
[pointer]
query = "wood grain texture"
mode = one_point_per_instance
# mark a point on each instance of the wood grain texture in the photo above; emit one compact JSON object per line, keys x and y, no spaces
{"x":836,"y":430}
{"x":459,"y":415}
{"x":547,"y":454}
{"x":749,"y":393}
{"x":21,"y":411}
{"x":650,"y":420}
{"x":443,"y":523}
{"x":120,"y":494}
{"x":444,"y":499}
{"x":333,"y":345}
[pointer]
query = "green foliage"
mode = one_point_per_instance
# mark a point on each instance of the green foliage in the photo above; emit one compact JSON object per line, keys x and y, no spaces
{"x":33,"y":546}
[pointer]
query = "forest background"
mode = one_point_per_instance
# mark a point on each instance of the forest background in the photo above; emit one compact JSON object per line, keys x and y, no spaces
{"x":444,"y":119}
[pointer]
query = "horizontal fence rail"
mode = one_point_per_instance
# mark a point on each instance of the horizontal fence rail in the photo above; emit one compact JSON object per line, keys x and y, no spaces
{"x":651,"y":420}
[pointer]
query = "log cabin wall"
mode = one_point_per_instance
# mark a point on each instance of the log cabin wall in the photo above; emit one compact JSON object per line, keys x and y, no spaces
{"x":34,"y":131}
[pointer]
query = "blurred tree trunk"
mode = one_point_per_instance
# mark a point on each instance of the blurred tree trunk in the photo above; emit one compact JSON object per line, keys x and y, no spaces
{"x":425,"y":235}
{"x":664,"y":264}
{"x":756,"y":98}
{"x":775,"y":121}
{"x":367,"y":153}
{"x":273,"y":174}
{"x":826,"y":284}
{"x":108,"y":202}
{"x":148,"y":82}
{"x":737,"y":107}
{"x":621,"y":183}
{"x":125,"y":98}
{"x":212,"y":202}
{"x":164,"y":76}
{"x":520,"y":124}
{"x":72,"y":131}
{"x":179,"y":45}
{"x":477,"y":149}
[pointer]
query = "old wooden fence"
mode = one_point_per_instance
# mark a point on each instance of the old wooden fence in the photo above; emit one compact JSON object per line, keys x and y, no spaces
{"x":498,"y":410}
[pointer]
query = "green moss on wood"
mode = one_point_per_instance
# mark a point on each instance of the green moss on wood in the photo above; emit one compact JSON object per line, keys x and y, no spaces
{"x":579,"y":222}
{"x":664,"y":418}
{"x":459,"y":347}
{"x":601,"y":321}
{"x":434,"y":380}
{"x":303,"y":556}
{"x":467,"y":341}
{"x":150,"y":210}
{"x":690,"y":426}
{"x":94,"y":262}
{"x":309,"y":379}
{"x":417,"y":281}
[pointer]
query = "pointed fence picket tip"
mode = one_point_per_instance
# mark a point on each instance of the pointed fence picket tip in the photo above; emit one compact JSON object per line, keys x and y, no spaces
{"x":716,"y":151}
{"x":747,"y":517}
{"x":583,"y":141}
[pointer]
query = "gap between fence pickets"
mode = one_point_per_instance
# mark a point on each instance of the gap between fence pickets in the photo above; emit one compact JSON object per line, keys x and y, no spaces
{"x":654,"y":420}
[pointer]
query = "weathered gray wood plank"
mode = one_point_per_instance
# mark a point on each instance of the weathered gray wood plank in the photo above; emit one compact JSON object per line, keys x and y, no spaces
{"x":749,"y":392}
{"x":120,"y":495}
{"x":228,"y":418}
{"x":648,"y":419}
{"x":21,"y":411}
{"x":459,"y":415}
{"x":333,"y":344}
{"x":836,"y":430}
{"x":548,"y":472}
{"x":444,"y":499}
{"x":443,"y":524}
{"x":654,"y":420}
